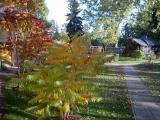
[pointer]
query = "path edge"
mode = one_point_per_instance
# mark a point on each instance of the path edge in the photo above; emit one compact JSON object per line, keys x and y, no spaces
{"x":129,"y":98}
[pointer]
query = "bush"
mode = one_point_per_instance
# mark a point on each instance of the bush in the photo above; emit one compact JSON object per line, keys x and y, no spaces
{"x":111,"y":58}
{"x":137,"y":54}
{"x":55,"y":85}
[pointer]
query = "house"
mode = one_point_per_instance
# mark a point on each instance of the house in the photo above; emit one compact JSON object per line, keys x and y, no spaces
{"x":4,"y":53}
{"x":4,"y":35}
{"x":147,"y":45}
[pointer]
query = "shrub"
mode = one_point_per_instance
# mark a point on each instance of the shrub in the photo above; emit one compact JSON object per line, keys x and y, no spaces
{"x":112,"y":58}
{"x":137,"y":54}
{"x":59,"y":83}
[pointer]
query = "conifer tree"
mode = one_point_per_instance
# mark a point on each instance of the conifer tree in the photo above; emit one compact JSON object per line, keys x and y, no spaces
{"x":74,"y":27}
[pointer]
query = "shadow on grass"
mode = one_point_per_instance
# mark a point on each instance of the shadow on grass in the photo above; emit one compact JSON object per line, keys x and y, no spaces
{"x":150,"y":73}
{"x":114,"y":108}
{"x":115,"y":104}
{"x":17,"y":98}
{"x":16,"y":103}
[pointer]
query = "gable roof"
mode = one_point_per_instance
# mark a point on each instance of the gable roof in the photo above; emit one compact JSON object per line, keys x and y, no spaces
{"x":146,"y":41}
{"x":139,"y":41}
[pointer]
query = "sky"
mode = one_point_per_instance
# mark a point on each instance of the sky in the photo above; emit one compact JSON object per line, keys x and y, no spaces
{"x":57,"y":10}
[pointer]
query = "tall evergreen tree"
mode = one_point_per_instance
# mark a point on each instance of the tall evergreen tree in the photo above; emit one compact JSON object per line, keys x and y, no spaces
{"x":74,"y":27}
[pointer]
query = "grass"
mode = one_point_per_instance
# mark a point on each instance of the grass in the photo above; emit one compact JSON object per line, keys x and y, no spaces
{"x":16,"y":103}
{"x":150,"y":73}
{"x":130,"y":60}
{"x":123,"y":60}
{"x":115,"y":104}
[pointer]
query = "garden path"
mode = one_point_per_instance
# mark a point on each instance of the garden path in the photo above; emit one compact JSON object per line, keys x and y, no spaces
{"x":144,"y":105}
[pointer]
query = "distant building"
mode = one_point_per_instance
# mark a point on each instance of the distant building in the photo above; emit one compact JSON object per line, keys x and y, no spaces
{"x":147,"y":45}
{"x":97,"y":48}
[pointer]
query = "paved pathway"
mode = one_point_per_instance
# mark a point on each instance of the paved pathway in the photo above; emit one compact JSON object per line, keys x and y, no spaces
{"x":144,"y":104}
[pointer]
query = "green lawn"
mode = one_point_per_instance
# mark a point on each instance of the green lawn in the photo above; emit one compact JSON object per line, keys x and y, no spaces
{"x":115,"y":104}
{"x":124,"y":60}
{"x":150,"y":73}
{"x":17,"y":102}
{"x":130,"y":60}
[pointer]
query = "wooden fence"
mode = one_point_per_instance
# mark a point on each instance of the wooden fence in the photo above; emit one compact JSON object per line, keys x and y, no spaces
{"x":114,"y":50}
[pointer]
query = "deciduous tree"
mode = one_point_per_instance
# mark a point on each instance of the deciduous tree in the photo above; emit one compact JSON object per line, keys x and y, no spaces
{"x":22,"y":25}
{"x":105,"y":17}
{"x":59,"y":83}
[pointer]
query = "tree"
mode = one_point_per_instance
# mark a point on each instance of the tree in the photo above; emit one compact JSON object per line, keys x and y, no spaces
{"x":145,"y":22}
{"x":58,"y":85}
{"x":74,"y":27}
{"x":105,"y":17}
{"x":42,"y":14}
{"x":54,"y":30}
{"x":149,"y":19}
{"x":31,"y":6}
{"x":128,"y":30}
{"x":22,"y":26}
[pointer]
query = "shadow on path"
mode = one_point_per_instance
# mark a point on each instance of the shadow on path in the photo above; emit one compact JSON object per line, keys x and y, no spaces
{"x":144,"y":105}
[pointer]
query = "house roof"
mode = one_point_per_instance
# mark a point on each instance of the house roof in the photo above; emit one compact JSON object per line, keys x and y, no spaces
{"x":146,"y":41}
{"x":139,"y":41}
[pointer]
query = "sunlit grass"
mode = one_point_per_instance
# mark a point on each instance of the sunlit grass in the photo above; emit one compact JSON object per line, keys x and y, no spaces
{"x":129,"y":60}
{"x":115,"y":104}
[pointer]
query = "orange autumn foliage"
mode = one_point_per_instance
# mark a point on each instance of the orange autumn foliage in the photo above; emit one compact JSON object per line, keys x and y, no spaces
{"x":27,"y":34}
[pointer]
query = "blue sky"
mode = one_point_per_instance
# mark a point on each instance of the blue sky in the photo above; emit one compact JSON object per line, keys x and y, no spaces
{"x":57,"y":10}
